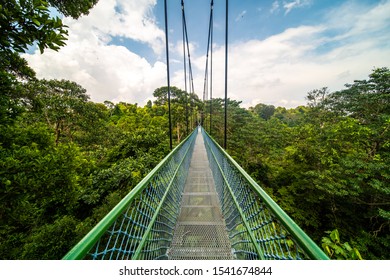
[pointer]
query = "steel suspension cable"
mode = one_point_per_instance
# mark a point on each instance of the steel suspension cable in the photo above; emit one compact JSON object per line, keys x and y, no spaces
{"x":191,"y":79}
{"x":185,"y":67}
{"x":209,"y":52}
{"x":211,"y":64}
{"x":205,"y":83}
{"x":226,"y":69}
{"x":184,"y":47}
{"x":168,"y":79}
{"x":205,"y":87}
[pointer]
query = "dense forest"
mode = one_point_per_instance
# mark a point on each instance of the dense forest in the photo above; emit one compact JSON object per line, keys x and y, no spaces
{"x":326,"y":164}
{"x":65,"y":161}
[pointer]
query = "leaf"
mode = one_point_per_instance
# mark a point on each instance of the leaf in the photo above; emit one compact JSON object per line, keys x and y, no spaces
{"x":335,"y":236}
{"x":356,"y":254}
{"x":347,"y":246}
{"x":326,"y":241}
{"x":328,"y":251}
{"x":340,"y":251}
{"x":36,"y":22}
{"x":42,"y":8}
{"x":384,"y":214}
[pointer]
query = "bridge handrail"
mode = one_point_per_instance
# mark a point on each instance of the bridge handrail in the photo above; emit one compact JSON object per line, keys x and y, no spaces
{"x":81,"y":249}
{"x":304,"y":241}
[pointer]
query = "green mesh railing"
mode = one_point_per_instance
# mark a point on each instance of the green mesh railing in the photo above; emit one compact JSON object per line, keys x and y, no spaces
{"x":141,"y":226}
{"x":258,"y":228}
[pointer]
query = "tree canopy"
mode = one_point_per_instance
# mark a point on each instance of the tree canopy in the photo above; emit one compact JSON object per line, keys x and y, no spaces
{"x":326,"y":163}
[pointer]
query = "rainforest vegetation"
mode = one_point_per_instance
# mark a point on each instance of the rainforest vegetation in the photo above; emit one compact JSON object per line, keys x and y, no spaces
{"x":326,"y":164}
{"x":65,"y":161}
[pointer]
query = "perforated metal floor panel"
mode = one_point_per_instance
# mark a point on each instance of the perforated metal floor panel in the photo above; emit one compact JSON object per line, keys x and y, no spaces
{"x":200,"y":232}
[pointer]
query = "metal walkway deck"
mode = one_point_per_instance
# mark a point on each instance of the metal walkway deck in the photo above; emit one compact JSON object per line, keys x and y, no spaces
{"x":200,"y":231}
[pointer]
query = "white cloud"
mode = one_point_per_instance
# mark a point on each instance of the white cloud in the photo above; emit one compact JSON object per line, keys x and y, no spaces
{"x":177,"y":49}
{"x":281,"y":69}
{"x":275,"y":7}
{"x":288,"y":6}
{"x":356,"y":20}
{"x":108,"y":72}
{"x":127,"y":18}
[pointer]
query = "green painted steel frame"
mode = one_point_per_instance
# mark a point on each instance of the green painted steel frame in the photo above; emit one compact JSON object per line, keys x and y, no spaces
{"x":308,"y":246}
{"x":81,"y":249}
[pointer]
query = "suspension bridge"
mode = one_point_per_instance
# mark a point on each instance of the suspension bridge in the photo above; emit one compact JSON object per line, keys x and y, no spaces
{"x":197,"y":203}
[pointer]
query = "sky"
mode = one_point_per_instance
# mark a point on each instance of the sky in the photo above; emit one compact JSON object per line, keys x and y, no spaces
{"x":278,"y":50}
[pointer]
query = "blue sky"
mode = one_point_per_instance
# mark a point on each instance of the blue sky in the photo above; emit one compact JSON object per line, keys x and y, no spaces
{"x":278,"y":50}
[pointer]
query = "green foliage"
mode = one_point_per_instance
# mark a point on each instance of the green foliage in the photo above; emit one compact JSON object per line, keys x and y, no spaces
{"x":66,"y":161}
{"x":50,"y":186}
{"x":325,"y":164}
{"x":264,"y":111}
{"x":184,"y":109}
{"x":336,"y":250}
{"x":50,"y":239}
{"x":25,"y":22}
{"x":39,"y":183}
{"x":73,"y":8}
{"x":64,"y":106}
